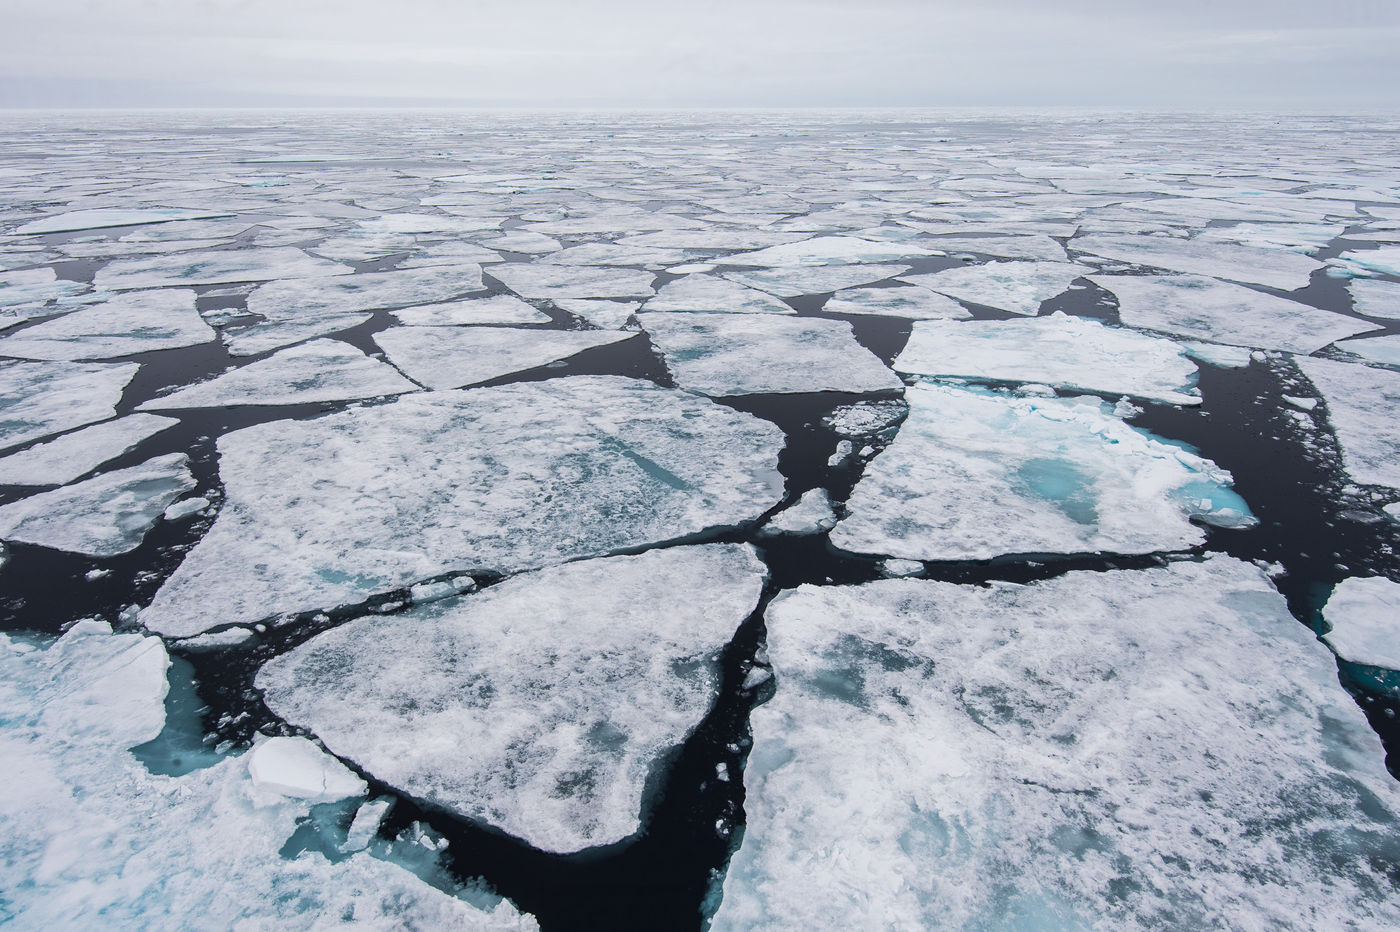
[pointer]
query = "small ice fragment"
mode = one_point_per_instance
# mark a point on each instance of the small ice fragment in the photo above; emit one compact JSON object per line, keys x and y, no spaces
{"x":756,"y":677}
{"x":366,"y":824}
{"x":811,"y":514}
{"x":185,"y":508}
{"x":843,"y":451}
{"x":1307,"y":404}
{"x":453,"y":357}
{"x":896,"y":568}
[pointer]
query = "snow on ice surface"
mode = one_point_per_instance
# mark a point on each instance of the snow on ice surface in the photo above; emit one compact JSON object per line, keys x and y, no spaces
{"x":297,"y":768}
{"x":539,"y":706}
{"x":1364,"y":615}
{"x":322,"y":370}
{"x":102,"y":217}
{"x":744,"y":354}
{"x":1063,"y":351}
{"x":328,"y":511}
{"x":453,"y":357}
{"x":1385,"y":260}
{"x":102,"y":516}
{"x":1273,"y":268}
{"x":909,"y":301}
{"x":135,"y":322}
{"x":42,"y":398}
{"x":1135,"y":749}
{"x":1206,"y":309}
{"x":214,"y":267}
{"x":26,"y":293}
{"x":1036,"y":246}
{"x":497,"y":309}
{"x":707,"y":293}
{"x":1383,"y":350}
{"x":606,"y":315}
{"x":1018,"y":287}
{"x":828,"y":250}
{"x":572,"y":281}
{"x":791,"y":282}
{"x":1361,"y":405}
{"x":93,"y":840}
{"x":64,"y":459}
{"x":975,"y":474}
{"x":1375,"y":299}
{"x":810,"y":514}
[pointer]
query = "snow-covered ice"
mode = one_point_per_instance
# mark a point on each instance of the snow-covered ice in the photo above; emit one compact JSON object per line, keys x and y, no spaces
{"x":810,"y":514}
{"x":101,"y":217}
{"x":791,"y":282}
{"x":1384,"y":260}
{"x":298,"y":769}
{"x":606,"y":315}
{"x":1273,"y":268}
{"x":910,"y":301}
{"x":1384,"y":350}
{"x":453,"y":357}
{"x":538,"y":280}
{"x":1018,"y":287}
{"x":497,"y":309}
{"x":829,"y":250}
{"x":135,"y":322}
{"x":1375,"y":298}
{"x":708,"y":293}
{"x":42,"y":398}
{"x":1034,"y":246}
{"x":1364,"y":616}
{"x":215,"y":266}
{"x":60,"y":461}
{"x":1361,"y":405}
{"x":28,"y":293}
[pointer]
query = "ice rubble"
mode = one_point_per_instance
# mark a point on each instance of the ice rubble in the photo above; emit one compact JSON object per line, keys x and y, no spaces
{"x":102,"y":516}
{"x":332,"y":510}
{"x":1136,"y":749}
{"x":1361,"y":405}
{"x":101,"y":217}
{"x":1206,"y":309}
{"x":1364,"y":615}
{"x":497,"y":309}
{"x":65,"y":458}
{"x":453,"y":357}
{"x":867,"y":418}
{"x":94,"y":840}
{"x":42,"y":398}
{"x":135,"y":322}
{"x":1375,"y":299}
{"x":707,"y":293}
{"x":975,"y":474}
{"x":298,"y":769}
{"x":1273,"y":268}
{"x":215,"y":266}
{"x":828,"y":250}
{"x":909,"y":301}
{"x":742,"y":354}
{"x":810,"y":514}
{"x":526,"y":707}
{"x":1018,"y":287}
{"x":791,"y":282}
{"x":1063,"y":351}
{"x":322,"y":370}
{"x":538,"y":280}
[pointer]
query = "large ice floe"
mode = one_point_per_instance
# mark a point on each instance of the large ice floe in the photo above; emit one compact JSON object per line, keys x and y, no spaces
{"x":975,"y":474}
{"x":1164,"y":748}
{"x":322,"y":370}
{"x":94,"y":840}
{"x":1067,"y":352}
{"x":102,"y":516}
{"x":829,"y":250}
{"x":453,"y":357}
{"x":70,"y":456}
{"x":1018,"y":287}
{"x":1273,"y":268}
{"x":329,"y":511}
{"x":1363,"y":614}
{"x":42,"y":398}
{"x":215,"y":266}
{"x":1361,"y":406}
{"x":1375,"y":299}
{"x":526,"y":707}
{"x":1205,"y":309}
{"x":909,"y":301}
{"x":571,"y":281}
{"x":742,"y":354}
{"x":791,"y":282}
{"x":136,"y":322}
{"x":713,"y":294}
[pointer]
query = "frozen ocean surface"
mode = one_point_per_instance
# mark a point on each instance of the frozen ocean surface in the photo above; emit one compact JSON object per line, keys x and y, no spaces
{"x":891,"y":519}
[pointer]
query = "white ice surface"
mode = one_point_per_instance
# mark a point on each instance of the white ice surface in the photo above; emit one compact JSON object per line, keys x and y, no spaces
{"x":1361,"y":405}
{"x":27,"y":293}
{"x":791,"y":282}
{"x":497,"y":309}
{"x":910,"y":301}
{"x":975,"y":474}
{"x":328,"y":511}
{"x":742,"y":354}
{"x":707,"y":293}
{"x":810,"y":514}
{"x":1384,"y":350}
{"x":1364,"y":615}
{"x":135,"y":322}
{"x":1385,"y":259}
{"x":1274,"y":268}
{"x":1035,"y":246}
{"x":102,"y":516}
{"x":538,"y":706}
{"x":540,"y":280}
{"x":1375,"y":299}
{"x":298,"y":769}
{"x":215,"y":266}
{"x":42,"y":398}
{"x":1134,"y":749}
{"x":828,"y":250}
{"x":1018,"y":287}
{"x":1059,"y":350}
{"x":65,"y":458}
{"x":99,"y":218}
{"x":453,"y":357}
{"x":607,"y":315}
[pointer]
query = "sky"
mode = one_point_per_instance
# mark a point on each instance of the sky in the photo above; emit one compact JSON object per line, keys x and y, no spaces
{"x":1275,"y":54}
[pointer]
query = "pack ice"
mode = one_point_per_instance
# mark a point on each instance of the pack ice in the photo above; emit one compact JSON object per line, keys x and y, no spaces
{"x":135,"y":322}
{"x":329,"y":511}
{"x":42,"y":398}
{"x":539,"y":706}
{"x":828,"y":250}
{"x":974,"y":474}
{"x":215,"y":266}
{"x":1361,"y":405}
{"x":1164,"y":748}
{"x":451,"y":357}
{"x":1018,"y":287}
{"x":571,"y":281}
{"x":709,"y":293}
{"x":1273,"y":268}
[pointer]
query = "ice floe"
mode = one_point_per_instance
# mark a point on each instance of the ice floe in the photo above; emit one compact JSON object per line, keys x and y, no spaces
{"x":215,"y":266}
{"x":708,"y":293}
{"x":64,"y":459}
{"x":27,"y":293}
{"x":538,"y":280}
{"x":135,"y":322}
{"x":298,"y":769}
{"x":789,"y":283}
{"x":607,"y":315}
{"x":497,"y":309}
{"x":829,"y":250}
{"x":1035,"y":246}
{"x":539,"y":706}
{"x":1361,"y":405}
{"x":1375,"y":299}
{"x":1140,"y":749}
{"x":810,"y":514}
{"x":454,"y":357}
{"x":1274,"y":268}
{"x":909,"y":301}
{"x":1384,"y":260}
{"x":1384,"y":350}
{"x":1364,"y":616}
{"x":42,"y":398}
{"x":99,"y":218}
{"x":1018,"y":287}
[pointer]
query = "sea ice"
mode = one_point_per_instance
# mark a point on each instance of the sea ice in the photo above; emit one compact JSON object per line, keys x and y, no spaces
{"x":708,"y":293}
{"x":298,"y":769}
{"x":910,"y":301}
{"x":810,"y":514}
{"x":541,"y":280}
{"x":539,"y":706}
{"x":613,"y":254}
{"x":744,"y":354}
{"x":102,"y":516}
{"x":497,"y":309}
{"x":607,"y":315}
{"x":135,"y":322}
{"x":1384,"y":350}
{"x":1018,"y":287}
{"x":1135,"y":749}
{"x":1067,"y":352}
{"x":215,"y":266}
{"x":329,"y":511}
{"x":27,"y":293}
{"x":1273,"y":268}
{"x":828,"y":250}
{"x":99,"y":218}
{"x":975,"y":474}
{"x":1364,"y":615}
{"x":1375,"y":299}
{"x":790,"y":283}
{"x":453,"y":357}
{"x":524,"y":242}
{"x":1361,"y":405}
{"x":64,"y":459}
{"x":1385,"y":260}
{"x":1035,"y":246}
{"x":322,"y":370}
{"x":867,"y":418}
{"x":42,"y":398}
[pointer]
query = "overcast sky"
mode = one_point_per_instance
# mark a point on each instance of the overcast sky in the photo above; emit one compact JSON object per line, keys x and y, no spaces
{"x":1332,"y":55}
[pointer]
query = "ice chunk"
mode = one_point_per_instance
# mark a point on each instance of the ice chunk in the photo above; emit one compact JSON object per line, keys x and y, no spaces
{"x":183,"y":509}
{"x":452,"y":357}
{"x":1214,"y":354}
{"x":497,"y":309}
{"x":323,"y":370}
{"x":539,"y":280}
{"x":1385,"y":260}
{"x":1364,"y":615}
{"x":811,"y":514}
{"x":1034,"y":246}
{"x":42,"y":398}
{"x":1018,"y":287}
{"x":1137,"y":748}
{"x":1273,"y":268}
{"x":607,"y":315}
{"x":102,"y":516}
{"x":1067,"y":352}
{"x":742,"y":354}
{"x":1375,"y":299}
{"x":901,"y":301}
{"x":366,"y":824}
{"x":975,"y":474}
{"x":62,"y":460}
{"x":1203,"y":308}
{"x":866,"y":418}
{"x":136,"y":322}
{"x":216,"y":266}
{"x":297,"y":768}
{"x":708,"y":293}
{"x":94,"y":840}
{"x":539,"y":706}
{"x":1361,"y":405}
{"x":329,"y":511}
{"x":98,"y":218}
{"x":828,"y":250}
{"x":789,"y":283}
